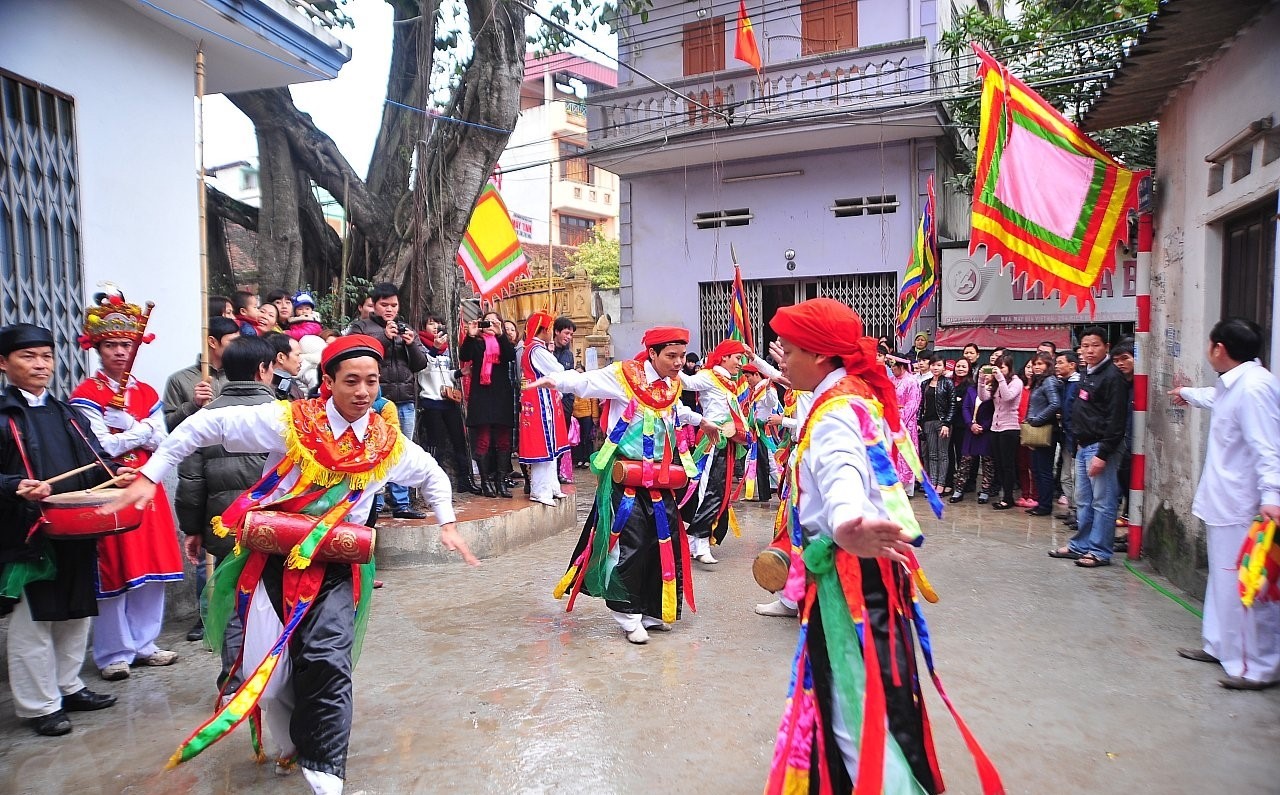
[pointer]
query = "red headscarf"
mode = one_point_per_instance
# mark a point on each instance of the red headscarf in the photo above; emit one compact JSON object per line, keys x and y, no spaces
{"x":726,"y":348}
{"x":829,"y":328}
{"x":661,"y":335}
{"x":536,"y":323}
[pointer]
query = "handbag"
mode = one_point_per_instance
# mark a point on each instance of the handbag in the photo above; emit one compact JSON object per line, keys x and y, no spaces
{"x":1036,"y":435}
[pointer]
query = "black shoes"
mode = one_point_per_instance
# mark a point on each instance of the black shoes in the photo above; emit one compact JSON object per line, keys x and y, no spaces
{"x":86,"y":700}
{"x":407,"y":513}
{"x":196,"y":632}
{"x":55,"y":724}
{"x":1039,"y":511}
{"x":957,"y":496}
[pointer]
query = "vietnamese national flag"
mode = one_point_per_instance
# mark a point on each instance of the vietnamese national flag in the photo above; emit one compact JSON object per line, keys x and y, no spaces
{"x":745,"y":48}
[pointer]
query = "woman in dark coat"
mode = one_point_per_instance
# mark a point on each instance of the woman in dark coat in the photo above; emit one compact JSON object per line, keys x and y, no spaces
{"x":975,"y":448}
{"x":491,"y":411}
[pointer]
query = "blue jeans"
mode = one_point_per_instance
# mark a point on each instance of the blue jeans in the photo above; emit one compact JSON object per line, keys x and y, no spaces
{"x":1097,"y":499}
{"x":408,"y":414}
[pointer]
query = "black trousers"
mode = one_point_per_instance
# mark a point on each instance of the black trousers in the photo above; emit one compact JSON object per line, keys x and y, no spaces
{"x":706,"y":520}
{"x":320,"y":651}
{"x":440,"y":427}
{"x":902,"y":701}
{"x":1004,"y":452}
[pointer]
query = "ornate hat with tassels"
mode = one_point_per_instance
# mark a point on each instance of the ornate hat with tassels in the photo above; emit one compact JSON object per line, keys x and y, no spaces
{"x":111,"y":317}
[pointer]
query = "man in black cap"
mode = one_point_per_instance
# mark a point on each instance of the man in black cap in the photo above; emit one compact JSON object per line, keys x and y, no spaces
{"x":48,"y":586}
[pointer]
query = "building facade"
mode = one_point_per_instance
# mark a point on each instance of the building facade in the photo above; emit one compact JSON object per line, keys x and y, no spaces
{"x":1208,"y":73}
{"x":550,"y":177}
{"x":813,"y":171}
{"x":97,"y":152}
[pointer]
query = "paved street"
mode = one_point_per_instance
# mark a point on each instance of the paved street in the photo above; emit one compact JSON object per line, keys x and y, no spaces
{"x":476,"y":681}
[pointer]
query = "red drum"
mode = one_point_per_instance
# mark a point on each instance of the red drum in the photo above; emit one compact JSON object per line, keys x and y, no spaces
{"x":627,"y":472}
{"x":74,"y":515}
{"x":278,"y":532}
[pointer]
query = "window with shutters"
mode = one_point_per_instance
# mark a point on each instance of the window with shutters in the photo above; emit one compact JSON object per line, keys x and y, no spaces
{"x":827,"y":26}
{"x":1249,"y":240}
{"x":574,"y":166}
{"x":41,"y":277}
{"x":575,"y":231}
{"x":704,"y":46}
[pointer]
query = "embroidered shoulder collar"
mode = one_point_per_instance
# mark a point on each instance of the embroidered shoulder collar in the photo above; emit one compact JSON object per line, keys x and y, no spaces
{"x":658,"y":396}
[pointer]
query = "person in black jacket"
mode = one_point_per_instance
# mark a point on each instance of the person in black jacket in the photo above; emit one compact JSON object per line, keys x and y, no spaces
{"x":213,"y":477}
{"x":403,"y":355}
{"x":937,"y":405}
{"x":1098,"y":417}
{"x":49,"y":586}
{"x":491,"y":410}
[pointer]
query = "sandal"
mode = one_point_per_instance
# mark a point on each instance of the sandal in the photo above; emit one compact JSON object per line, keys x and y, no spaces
{"x":1090,"y":562}
{"x":1066,"y":552}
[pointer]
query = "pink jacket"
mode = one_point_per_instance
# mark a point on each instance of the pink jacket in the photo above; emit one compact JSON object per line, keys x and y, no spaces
{"x":304,"y":327}
{"x":1007,"y":396}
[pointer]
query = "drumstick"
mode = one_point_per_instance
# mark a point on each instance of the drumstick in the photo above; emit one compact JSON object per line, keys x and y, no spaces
{"x":72,"y":473}
{"x":108,"y":483}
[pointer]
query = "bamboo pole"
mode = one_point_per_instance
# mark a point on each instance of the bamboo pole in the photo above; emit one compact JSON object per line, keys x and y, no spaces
{"x":204,"y":226}
{"x":346,"y":247}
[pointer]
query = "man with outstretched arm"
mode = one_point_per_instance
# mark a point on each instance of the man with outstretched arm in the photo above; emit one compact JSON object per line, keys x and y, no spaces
{"x":327,"y":458}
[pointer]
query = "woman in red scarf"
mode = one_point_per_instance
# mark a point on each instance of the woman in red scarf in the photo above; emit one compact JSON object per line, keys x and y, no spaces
{"x":491,"y":411}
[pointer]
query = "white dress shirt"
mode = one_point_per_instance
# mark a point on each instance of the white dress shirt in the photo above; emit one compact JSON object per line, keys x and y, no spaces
{"x":544,"y":361}
{"x":836,"y":483}
{"x":804,"y":402}
{"x":261,"y":429}
{"x":134,"y":433}
{"x":712,"y":396}
{"x":606,"y":384}
{"x":1242,"y":463}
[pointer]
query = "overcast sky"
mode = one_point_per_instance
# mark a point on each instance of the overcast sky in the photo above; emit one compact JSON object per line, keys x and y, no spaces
{"x":348,"y":108}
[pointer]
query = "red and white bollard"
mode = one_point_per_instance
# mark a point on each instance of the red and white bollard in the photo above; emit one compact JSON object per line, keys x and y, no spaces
{"x":1141,"y":391}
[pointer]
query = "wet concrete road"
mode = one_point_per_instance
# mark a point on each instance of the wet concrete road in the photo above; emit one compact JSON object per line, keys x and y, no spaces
{"x":476,"y":681}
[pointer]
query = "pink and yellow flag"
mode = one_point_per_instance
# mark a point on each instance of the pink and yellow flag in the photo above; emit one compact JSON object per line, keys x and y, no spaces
{"x":491,"y":256}
{"x":1046,"y":198}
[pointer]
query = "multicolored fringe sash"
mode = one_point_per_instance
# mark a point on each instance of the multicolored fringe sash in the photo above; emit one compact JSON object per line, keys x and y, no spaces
{"x":762,"y":447}
{"x":857,"y":690}
{"x":650,"y":408}
{"x":332,"y":476}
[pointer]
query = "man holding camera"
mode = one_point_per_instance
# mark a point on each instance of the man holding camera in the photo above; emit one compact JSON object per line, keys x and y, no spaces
{"x":404,"y":356}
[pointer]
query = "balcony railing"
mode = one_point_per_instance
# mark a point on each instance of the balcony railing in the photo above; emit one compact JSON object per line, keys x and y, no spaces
{"x":873,"y":78}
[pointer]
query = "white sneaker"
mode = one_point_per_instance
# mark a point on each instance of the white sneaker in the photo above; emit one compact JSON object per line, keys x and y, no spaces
{"x":159,"y":657}
{"x":323,"y":783}
{"x":776,"y":608}
{"x":706,"y":558}
{"x":638,"y":636}
{"x":658,"y":626}
{"x":547,"y":501}
{"x":116,"y":671}
{"x":560,"y":495}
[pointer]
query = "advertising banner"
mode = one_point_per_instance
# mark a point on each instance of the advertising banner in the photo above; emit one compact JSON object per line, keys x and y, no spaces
{"x":977,"y":292}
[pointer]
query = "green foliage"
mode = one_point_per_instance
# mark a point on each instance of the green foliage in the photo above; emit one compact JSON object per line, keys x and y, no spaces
{"x":600,"y":256}
{"x":1066,"y":50}
{"x":339,"y":317}
{"x":326,"y":13}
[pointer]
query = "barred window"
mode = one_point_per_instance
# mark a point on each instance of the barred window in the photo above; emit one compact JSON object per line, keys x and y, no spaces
{"x":41,"y":278}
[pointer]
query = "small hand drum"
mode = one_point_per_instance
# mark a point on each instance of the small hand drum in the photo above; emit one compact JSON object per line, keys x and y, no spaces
{"x":74,"y":515}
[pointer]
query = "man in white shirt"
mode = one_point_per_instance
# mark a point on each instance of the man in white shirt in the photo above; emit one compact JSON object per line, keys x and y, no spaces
{"x":315,"y":449}
{"x":1241,"y":480}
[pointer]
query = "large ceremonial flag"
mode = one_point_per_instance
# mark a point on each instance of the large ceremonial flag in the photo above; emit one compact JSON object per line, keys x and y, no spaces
{"x":739,"y":323}
{"x":1047,"y":199}
{"x":490,"y":256}
{"x":920,"y":281}
{"x":745,"y":48}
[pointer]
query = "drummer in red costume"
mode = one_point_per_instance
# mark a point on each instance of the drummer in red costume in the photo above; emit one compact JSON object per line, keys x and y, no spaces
{"x":543,"y":435}
{"x":133,"y":567}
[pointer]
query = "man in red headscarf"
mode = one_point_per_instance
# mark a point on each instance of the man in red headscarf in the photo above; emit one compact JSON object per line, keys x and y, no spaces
{"x":850,"y":534}
{"x":543,"y":435}
{"x":642,"y":574}
{"x":327,"y":458}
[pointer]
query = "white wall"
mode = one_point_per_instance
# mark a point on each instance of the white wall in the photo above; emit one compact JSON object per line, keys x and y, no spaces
{"x":133,"y":82}
{"x":1187,"y":258}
